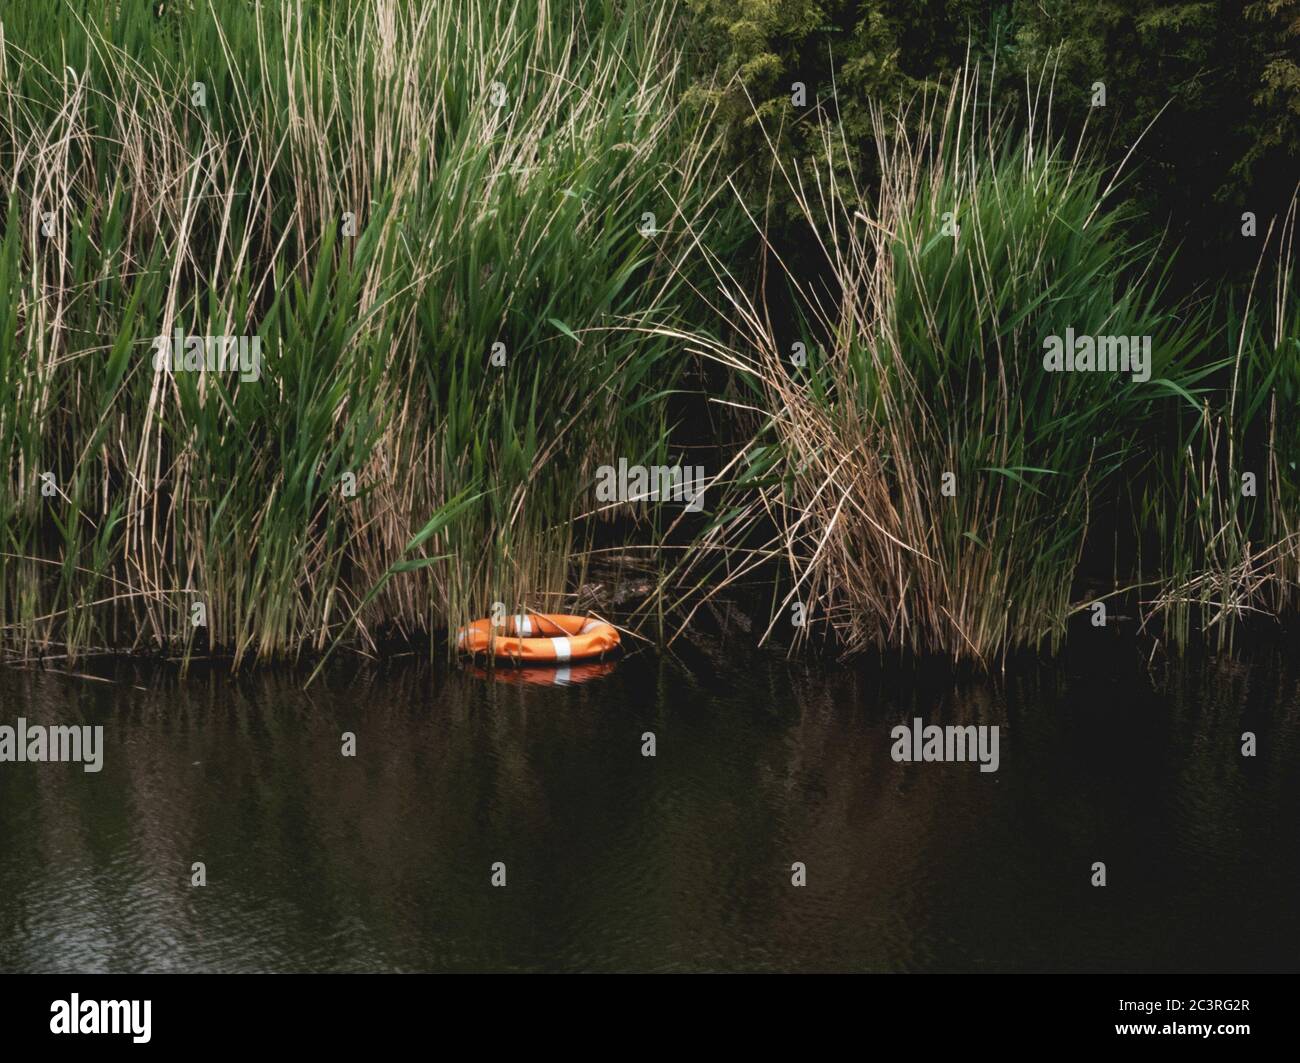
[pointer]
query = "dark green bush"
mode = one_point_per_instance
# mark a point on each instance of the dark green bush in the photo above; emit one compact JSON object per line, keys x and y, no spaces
{"x":1228,"y":78}
{"x":846,"y":53}
{"x":1226,"y":75}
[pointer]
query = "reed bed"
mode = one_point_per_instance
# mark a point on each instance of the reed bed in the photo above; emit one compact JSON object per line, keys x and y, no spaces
{"x":925,"y":483}
{"x":482,"y":247}
{"x":1226,"y":515}
{"x":381,"y":193}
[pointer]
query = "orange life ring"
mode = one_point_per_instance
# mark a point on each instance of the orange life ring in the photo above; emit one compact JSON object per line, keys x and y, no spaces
{"x":540,"y":638}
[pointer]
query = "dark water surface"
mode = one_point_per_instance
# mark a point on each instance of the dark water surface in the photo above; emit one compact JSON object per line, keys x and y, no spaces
{"x":615,"y":861}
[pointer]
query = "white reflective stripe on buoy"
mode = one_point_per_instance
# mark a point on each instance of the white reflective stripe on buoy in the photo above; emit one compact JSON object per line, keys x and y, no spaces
{"x":590,"y":625}
{"x":523,"y":626}
{"x":562,"y":648}
{"x":561,"y":676}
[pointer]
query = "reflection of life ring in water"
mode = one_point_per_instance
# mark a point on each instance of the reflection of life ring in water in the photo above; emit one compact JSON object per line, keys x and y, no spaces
{"x":562,"y":676}
{"x":538,"y":638}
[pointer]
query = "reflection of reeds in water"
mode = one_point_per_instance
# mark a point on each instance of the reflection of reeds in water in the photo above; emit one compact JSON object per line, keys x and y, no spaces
{"x":323,"y":862}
